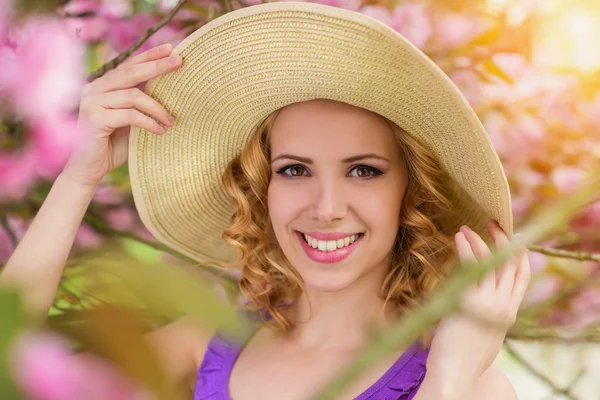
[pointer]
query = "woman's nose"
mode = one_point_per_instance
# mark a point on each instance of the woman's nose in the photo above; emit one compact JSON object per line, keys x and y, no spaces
{"x":329,"y":203}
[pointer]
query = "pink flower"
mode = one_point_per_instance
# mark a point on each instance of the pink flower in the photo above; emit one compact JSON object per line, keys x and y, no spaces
{"x":50,"y":70}
{"x":54,"y":140}
{"x":454,"y":29}
{"x":87,"y":237}
{"x":121,"y":219}
{"x":353,"y":5}
{"x":87,"y":30}
{"x":542,"y":289}
{"x":469,"y":84}
{"x":45,"y":369}
{"x":567,"y":179}
{"x":17,"y":171}
{"x":116,"y":8}
{"x":107,"y":194}
{"x":123,"y":33}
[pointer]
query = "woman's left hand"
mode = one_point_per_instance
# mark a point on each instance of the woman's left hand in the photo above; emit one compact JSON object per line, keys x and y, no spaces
{"x":462,"y":347}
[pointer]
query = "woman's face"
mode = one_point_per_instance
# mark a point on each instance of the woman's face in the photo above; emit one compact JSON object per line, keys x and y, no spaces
{"x":338,"y":179}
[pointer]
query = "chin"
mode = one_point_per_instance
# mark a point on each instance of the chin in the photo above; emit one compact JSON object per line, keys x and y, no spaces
{"x":328,"y":281}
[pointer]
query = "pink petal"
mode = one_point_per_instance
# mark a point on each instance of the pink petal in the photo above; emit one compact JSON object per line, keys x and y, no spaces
{"x":54,"y":139}
{"x":17,"y":172}
{"x":50,"y":69}
{"x":413,"y":21}
{"x":567,"y":179}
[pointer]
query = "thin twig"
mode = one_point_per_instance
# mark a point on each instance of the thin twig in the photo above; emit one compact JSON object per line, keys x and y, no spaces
{"x":539,"y":374}
{"x":565,"y":335}
{"x":123,"y":56}
{"x":575,"y":255}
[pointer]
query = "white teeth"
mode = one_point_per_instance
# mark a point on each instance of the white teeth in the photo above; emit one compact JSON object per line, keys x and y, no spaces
{"x":330,"y":245}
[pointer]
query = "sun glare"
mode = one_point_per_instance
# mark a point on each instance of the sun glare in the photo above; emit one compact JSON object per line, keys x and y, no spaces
{"x":570,"y":40}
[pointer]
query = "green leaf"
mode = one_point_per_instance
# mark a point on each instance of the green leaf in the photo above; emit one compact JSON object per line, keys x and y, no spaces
{"x":12,"y":320}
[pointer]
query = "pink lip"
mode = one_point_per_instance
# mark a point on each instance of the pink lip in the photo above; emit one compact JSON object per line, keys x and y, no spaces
{"x":328,"y":235}
{"x":329,"y":256}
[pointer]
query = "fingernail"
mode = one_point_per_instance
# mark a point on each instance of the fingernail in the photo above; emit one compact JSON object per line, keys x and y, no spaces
{"x":162,"y":129}
{"x":171,"y":118}
{"x":174,"y":59}
{"x":164,"y":47}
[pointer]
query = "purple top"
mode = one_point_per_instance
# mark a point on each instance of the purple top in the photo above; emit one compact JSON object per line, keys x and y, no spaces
{"x":400,"y":382}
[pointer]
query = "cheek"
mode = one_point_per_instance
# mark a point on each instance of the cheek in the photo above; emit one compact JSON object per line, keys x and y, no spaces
{"x":282,"y":205}
{"x":381,"y":210}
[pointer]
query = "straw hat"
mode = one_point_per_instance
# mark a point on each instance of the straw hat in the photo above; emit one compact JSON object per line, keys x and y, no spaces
{"x":242,"y":66}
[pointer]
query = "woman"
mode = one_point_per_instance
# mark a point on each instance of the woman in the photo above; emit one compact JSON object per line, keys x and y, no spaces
{"x":344,"y":169}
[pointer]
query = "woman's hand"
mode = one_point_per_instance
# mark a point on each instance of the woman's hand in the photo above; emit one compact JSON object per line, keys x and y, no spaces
{"x":462,"y":347}
{"x":113,"y":103}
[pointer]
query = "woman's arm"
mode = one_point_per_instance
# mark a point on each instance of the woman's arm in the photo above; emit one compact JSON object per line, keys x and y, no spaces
{"x":36,"y":265}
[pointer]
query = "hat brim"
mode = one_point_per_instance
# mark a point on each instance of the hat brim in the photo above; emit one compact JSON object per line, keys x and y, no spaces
{"x":242,"y":66}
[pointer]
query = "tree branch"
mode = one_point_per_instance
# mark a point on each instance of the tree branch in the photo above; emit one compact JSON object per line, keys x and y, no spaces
{"x":555,"y":389}
{"x":123,"y":56}
{"x":575,"y":255}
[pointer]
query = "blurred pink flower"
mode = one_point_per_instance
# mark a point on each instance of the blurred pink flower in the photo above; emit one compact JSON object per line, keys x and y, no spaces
{"x":121,"y":219}
{"x":87,"y":30}
{"x":567,"y":179}
{"x":87,"y":237}
{"x":75,"y":7}
{"x":469,"y":83}
{"x":123,"y":33}
{"x":107,"y":194}
{"x":17,"y":171}
{"x":588,"y":217}
{"x":54,"y":140}
{"x":409,"y":19}
{"x":353,"y":5}
{"x":116,"y":8}
{"x":542,"y":289}
{"x":45,"y":369}
{"x":50,"y":70}
{"x":454,"y":29}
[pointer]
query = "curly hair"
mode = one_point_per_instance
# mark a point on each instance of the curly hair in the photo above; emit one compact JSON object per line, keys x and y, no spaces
{"x":422,"y":254}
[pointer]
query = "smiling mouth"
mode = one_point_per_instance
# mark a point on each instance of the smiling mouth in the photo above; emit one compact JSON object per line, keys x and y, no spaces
{"x":330,"y":245}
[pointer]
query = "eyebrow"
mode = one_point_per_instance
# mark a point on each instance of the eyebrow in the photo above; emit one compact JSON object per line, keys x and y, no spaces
{"x":352,"y":159}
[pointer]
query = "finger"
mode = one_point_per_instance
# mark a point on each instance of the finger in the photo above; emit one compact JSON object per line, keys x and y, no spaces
{"x":506,"y":272}
{"x":131,"y":117}
{"x":465,"y":253}
{"x":154,"y":53}
{"x":482,"y":252}
{"x":132,"y":75}
{"x":135,"y":98}
{"x":522,"y":279}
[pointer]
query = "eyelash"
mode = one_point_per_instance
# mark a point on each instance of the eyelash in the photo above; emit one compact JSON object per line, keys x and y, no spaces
{"x":374,"y":171}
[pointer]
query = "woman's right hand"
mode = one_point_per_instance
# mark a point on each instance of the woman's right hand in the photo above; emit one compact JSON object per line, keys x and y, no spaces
{"x":113,"y":103}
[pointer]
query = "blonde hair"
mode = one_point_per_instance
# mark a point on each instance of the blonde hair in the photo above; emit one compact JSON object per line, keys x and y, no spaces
{"x":421,"y":256}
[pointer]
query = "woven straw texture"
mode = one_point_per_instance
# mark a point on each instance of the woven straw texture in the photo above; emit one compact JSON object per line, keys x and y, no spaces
{"x":239,"y":68}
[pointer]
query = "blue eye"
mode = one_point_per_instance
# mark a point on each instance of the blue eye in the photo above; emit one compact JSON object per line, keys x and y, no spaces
{"x":364,"y":171}
{"x":292,"y":170}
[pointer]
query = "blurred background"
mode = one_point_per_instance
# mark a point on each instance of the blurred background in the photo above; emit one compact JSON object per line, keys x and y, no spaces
{"x":530,"y":69}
